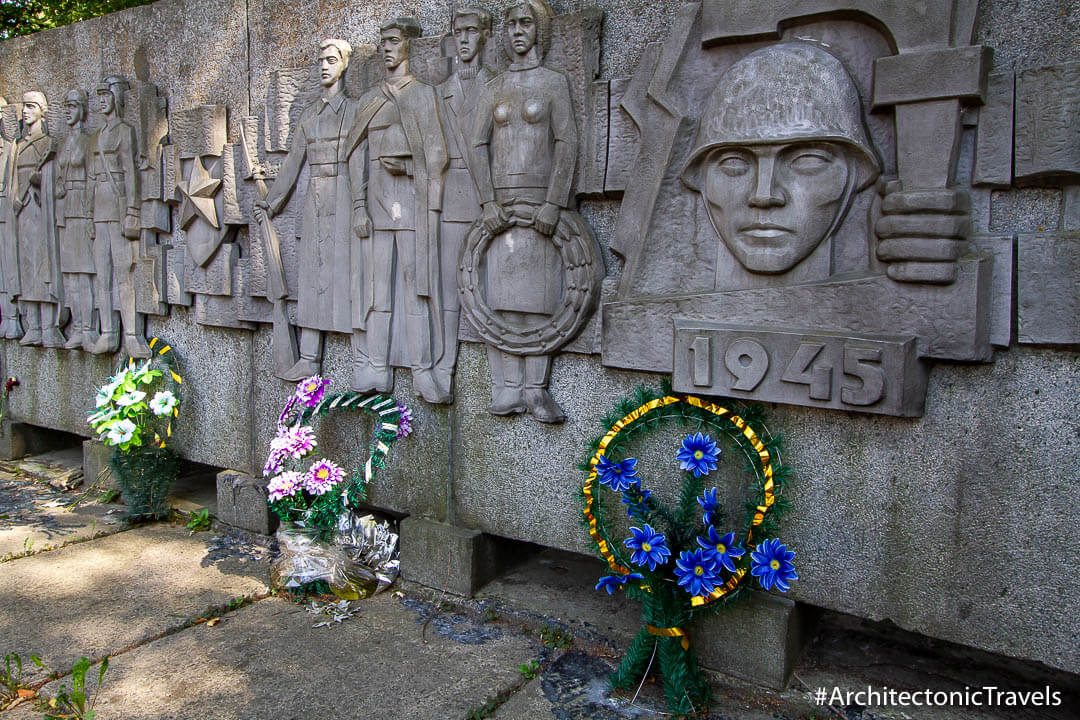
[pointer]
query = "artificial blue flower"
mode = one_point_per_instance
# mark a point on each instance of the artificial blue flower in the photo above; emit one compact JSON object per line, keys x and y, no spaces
{"x":771,"y":565}
{"x":724,"y":548}
{"x":617,"y":475}
{"x":611,"y":582}
{"x":698,"y":454}
{"x":635,"y":498}
{"x":697,"y":571}
{"x":709,"y":505}
{"x":650,"y":547}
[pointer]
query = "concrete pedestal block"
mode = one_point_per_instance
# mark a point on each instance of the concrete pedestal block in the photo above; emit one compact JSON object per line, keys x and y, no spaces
{"x":428,"y":546}
{"x":759,"y":641}
{"x":241,"y":501}
{"x":95,"y":463}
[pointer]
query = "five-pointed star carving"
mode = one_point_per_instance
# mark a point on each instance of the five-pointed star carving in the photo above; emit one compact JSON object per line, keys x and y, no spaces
{"x":198,"y":191}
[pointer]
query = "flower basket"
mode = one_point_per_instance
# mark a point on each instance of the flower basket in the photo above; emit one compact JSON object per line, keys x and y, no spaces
{"x":144,"y":475}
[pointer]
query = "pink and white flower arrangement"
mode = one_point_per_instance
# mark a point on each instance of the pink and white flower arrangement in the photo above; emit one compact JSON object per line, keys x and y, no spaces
{"x":284,"y":485}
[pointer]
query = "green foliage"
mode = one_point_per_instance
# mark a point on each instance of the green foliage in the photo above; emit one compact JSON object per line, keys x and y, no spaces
{"x":528,"y":670}
{"x":136,"y":406}
{"x":144,"y":475}
{"x":110,"y":495}
{"x":11,"y":678}
{"x":198,"y":522}
{"x":555,"y":638}
{"x":77,"y":703}
{"x":22,"y":17}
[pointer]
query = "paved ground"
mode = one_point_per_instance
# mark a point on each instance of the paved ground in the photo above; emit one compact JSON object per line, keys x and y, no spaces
{"x":192,"y":631}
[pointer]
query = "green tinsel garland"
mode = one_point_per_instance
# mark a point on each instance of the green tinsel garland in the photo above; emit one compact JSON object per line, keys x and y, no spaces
{"x":666,"y":605}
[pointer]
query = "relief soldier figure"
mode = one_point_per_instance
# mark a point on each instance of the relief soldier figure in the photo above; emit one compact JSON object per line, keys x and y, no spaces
{"x":398,"y":134}
{"x":116,"y":222}
{"x":458,"y":97}
{"x":39,"y":274}
{"x":524,"y":149}
{"x":325,"y":253}
{"x":74,"y":217}
{"x":10,"y":326}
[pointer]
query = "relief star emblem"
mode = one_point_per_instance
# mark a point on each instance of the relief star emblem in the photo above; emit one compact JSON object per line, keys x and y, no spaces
{"x":198,"y":191}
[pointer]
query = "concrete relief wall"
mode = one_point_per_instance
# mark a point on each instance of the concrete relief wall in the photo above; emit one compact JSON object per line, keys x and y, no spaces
{"x":862,"y":212}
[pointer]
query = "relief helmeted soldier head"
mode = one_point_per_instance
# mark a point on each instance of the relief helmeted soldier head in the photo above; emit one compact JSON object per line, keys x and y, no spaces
{"x":458,"y":96}
{"x":780,"y":154}
{"x":74,"y":217}
{"x":39,"y":282}
{"x":116,"y":222}
{"x":324,"y":244}
{"x":398,"y":135}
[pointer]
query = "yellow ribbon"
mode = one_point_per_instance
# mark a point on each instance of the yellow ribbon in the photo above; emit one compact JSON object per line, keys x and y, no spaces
{"x":759,"y":515}
{"x":176,"y":412}
{"x":670,"y":632}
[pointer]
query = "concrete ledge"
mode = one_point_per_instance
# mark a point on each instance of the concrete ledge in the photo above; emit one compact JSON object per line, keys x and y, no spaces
{"x":760,"y":640}
{"x":428,"y":546}
{"x":17,"y":440}
{"x":241,"y":501}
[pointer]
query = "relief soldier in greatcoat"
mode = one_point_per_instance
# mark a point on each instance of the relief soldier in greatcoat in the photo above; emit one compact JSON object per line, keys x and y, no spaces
{"x":458,"y":97}
{"x":397,"y":131}
{"x":10,"y":326}
{"x":325,"y":249}
{"x":116,"y":222}
{"x":40,"y":292}
{"x":75,"y":219}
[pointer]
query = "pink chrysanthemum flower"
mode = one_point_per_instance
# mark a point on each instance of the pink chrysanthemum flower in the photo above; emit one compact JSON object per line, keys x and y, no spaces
{"x":273,"y":462}
{"x":286,"y":484}
{"x":322,"y":476}
{"x":312,"y":390}
{"x":297,"y":442}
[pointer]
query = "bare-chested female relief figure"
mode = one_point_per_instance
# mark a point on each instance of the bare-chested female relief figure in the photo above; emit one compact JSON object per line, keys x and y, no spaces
{"x":523,"y":157}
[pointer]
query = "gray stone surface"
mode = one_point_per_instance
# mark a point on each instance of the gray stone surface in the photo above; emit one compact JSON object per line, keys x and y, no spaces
{"x":993,"y":145}
{"x":95,"y":463}
{"x":35,"y":516}
{"x":760,"y":640}
{"x":241,"y":669}
{"x":1003,"y":250}
{"x":1047,"y":138}
{"x":241,"y":501}
{"x":900,"y":482}
{"x":106,"y":595}
{"x":1048,"y":288}
{"x":447,"y":556}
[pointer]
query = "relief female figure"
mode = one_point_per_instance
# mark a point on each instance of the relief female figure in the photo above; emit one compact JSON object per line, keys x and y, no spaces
{"x":524,"y":150}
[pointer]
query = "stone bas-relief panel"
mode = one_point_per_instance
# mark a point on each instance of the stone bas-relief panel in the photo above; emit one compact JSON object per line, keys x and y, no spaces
{"x":829,"y":205}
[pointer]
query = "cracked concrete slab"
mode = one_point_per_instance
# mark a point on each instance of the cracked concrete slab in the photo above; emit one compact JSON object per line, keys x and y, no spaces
{"x":267,"y":660}
{"x":99,"y":597}
{"x":34,"y":515}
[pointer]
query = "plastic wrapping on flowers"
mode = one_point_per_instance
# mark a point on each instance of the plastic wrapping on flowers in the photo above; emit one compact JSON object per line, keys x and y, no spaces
{"x":324,"y":543}
{"x":361,"y":561}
